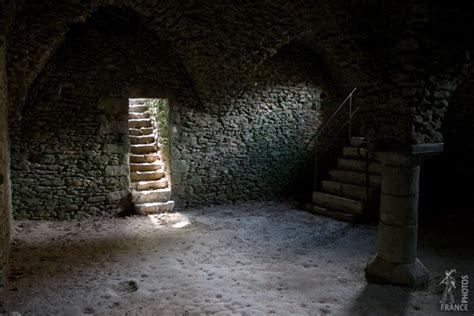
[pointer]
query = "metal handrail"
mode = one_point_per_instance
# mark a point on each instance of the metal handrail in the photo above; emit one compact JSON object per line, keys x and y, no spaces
{"x":367,"y":162}
{"x":349,"y":97}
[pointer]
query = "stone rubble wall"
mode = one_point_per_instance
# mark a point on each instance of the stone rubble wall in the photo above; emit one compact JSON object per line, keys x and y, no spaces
{"x":445,"y":179}
{"x":388,"y":49}
{"x":255,"y":149}
{"x":247,"y":129}
{"x":69,"y":152}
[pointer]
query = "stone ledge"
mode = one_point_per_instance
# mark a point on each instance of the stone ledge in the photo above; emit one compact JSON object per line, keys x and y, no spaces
{"x":408,"y":155}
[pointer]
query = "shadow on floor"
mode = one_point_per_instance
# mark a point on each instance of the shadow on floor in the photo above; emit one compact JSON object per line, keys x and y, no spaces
{"x":378,"y":299}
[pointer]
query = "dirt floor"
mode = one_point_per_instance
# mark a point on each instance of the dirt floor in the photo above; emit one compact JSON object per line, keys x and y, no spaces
{"x":248,"y":259}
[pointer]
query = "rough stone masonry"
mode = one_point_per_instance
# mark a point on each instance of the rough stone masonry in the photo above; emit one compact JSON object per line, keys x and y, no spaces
{"x":70,"y":151}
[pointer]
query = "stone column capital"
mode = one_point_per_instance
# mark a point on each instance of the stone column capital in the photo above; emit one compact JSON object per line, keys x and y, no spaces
{"x":409,"y":155}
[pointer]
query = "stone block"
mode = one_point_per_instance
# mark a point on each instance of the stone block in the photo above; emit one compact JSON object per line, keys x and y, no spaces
{"x":115,"y":149}
{"x":399,"y":210}
{"x":47,"y":159}
{"x":196,"y":180}
{"x":175,"y":153}
{"x":181,"y":166}
{"x":400,"y":180}
{"x":412,"y":274}
{"x":117,"y":195}
{"x":397,"y":244}
{"x":115,"y":171}
{"x":96,"y":199}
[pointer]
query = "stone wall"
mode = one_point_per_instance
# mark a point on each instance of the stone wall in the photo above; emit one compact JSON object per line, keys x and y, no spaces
{"x":254,"y":148}
{"x":399,"y":54}
{"x":446,"y":179}
{"x":411,"y":54}
{"x":69,"y":151}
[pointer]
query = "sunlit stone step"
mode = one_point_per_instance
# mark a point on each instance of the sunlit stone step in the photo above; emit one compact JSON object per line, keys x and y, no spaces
{"x":145,"y":166}
{"x":137,"y":108}
{"x":140,"y":131}
{"x":145,"y":139}
{"x":138,"y":115}
{"x":146,"y":175}
{"x":143,"y":148}
{"x":155,"y":207}
{"x":139,"y":158}
{"x":149,"y":185}
{"x":148,"y":196}
{"x":138,"y":123}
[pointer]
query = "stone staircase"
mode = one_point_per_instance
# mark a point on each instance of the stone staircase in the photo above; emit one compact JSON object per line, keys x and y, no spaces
{"x":151,"y":192}
{"x":344,"y":195}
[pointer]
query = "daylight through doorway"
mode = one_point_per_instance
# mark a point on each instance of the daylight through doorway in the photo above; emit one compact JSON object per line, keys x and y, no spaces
{"x":149,"y":156}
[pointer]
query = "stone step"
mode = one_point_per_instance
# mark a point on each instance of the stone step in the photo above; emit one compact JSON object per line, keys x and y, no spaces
{"x":347,"y":190}
{"x":338,"y":203}
{"x":354,"y":177}
{"x":359,"y":165}
{"x":138,"y":115}
{"x":137,"y":108}
{"x":353,"y":153}
{"x":150,"y":185}
{"x":141,"y":131}
{"x":144,"y":139}
{"x":137,"y":100}
{"x":145,"y":166}
{"x":142,"y":158}
{"x":146,"y":175}
{"x":155,"y":207}
{"x":357,"y":141}
{"x":148,"y":196}
{"x":138,"y":123}
{"x":143,"y":148}
{"x":346,"y":217}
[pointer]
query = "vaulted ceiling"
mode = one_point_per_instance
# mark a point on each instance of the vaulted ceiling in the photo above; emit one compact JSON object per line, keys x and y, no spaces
{"x":377,"y":46}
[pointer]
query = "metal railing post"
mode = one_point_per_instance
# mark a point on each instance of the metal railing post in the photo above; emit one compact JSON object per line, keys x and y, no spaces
{"x":350,"y":117}
{"x":315,"y":153}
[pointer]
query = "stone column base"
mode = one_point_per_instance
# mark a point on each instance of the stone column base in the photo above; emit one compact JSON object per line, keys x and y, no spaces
{"x":405,"y":274}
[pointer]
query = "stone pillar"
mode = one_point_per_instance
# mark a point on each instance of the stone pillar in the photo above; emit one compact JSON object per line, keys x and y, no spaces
{"x":396,"y":261}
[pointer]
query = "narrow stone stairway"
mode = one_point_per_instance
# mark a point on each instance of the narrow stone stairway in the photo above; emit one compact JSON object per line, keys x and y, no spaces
{"x":151,"y":192}
{"x":344,"y":195}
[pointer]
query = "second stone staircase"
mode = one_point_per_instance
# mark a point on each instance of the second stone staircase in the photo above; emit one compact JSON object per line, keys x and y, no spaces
{"x":151,"y":192}
{"x":352,"y":190}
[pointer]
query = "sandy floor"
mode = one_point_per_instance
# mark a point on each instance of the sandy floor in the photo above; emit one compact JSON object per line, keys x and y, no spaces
{"x":258,"y":258}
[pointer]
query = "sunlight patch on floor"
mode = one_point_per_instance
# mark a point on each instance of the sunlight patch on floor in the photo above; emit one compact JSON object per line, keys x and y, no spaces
{"x":175,"y":220}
